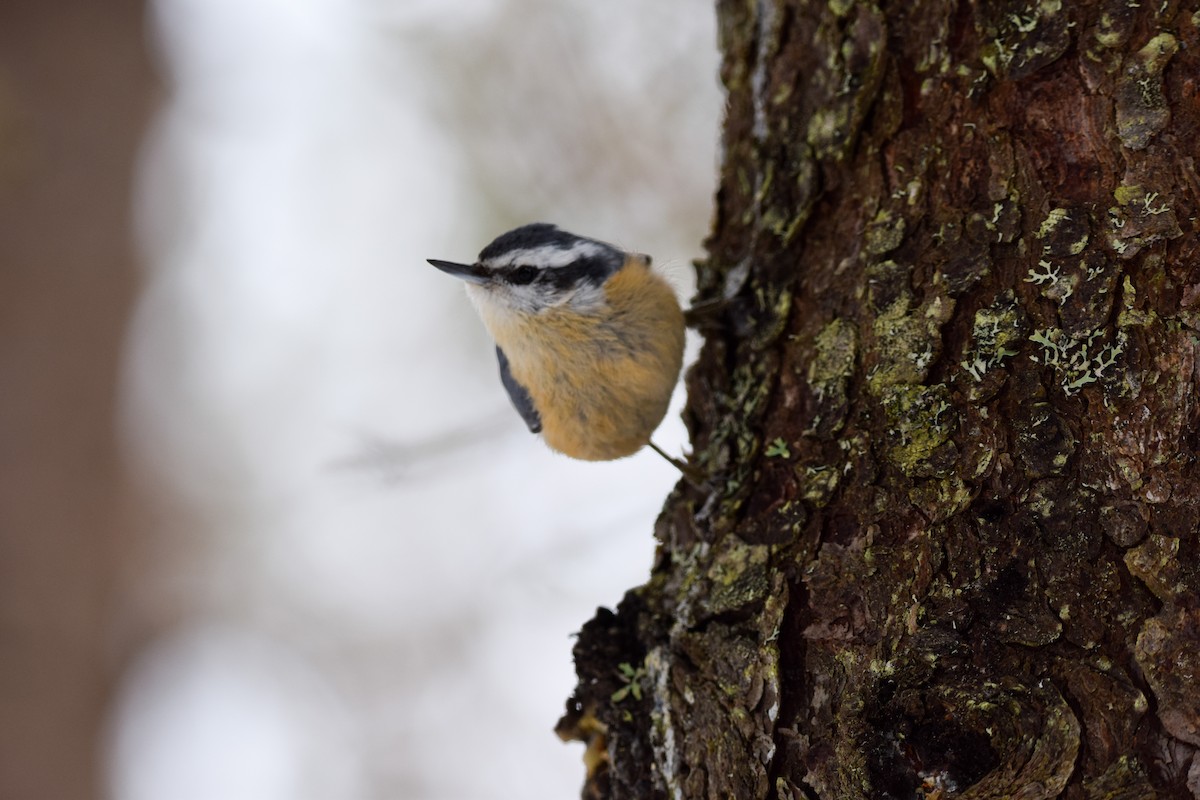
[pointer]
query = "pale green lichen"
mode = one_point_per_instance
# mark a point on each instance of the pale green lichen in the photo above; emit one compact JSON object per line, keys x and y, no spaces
{"x":734,"y":442}
{"x":1130,"y":315}
{"x":884,"y":233}
{"x":1054,"y":285}
{"x":920,"y":420}
{"x":1111,"y":31}
{"x":776,"y":304}
{"x":841,"y":7}
{"x":882,"y":669}
{"x":1002,"y":221}
{"x":1050,"y":275}
{"x":1123,"y":778}
{"x":1064,"y":233}
{"x":825,"y":128}
{"x":995,"y":333}
{"x":833,"y":362}
{"x":1078,"y":360}
{"x":1128,"y":195}
{"x":738,"y":577}
{"x":1149,"y":207}
{"x":1020,"y":43}
{"x":907,"y":343}
{"x":819,"y":484}
{"x":829,"y":372}
{"x":764,"y":185}
{"x":941,"y":498}
{"x":1140,"y":218}
{"x":1141,"y":107}
{"x":856,"y":66}
{"x":799,"y":211}
{"x":778,"y":448}
{"x":1052,"y":221}
{"x":936,"y":57}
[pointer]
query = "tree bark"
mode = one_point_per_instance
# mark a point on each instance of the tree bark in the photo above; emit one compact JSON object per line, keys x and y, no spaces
{"x":947,"y":408}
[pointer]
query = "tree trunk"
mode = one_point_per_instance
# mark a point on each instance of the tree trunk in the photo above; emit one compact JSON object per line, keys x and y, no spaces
{"x":947,"y":408}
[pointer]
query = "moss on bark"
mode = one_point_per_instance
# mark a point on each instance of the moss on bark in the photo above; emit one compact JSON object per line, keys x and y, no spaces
{"x":948,"y":543}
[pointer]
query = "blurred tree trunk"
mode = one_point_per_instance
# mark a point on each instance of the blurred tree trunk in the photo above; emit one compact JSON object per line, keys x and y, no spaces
{"x":948,"y":546}
{"x":75,"y":92}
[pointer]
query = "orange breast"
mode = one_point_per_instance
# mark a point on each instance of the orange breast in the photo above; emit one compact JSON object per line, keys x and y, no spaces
{"x":602,"y":382}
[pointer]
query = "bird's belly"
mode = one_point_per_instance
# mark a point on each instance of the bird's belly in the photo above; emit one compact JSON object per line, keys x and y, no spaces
{"x":601,"y":384}
{"x":606,"y":423}
{"x":599,"y":409}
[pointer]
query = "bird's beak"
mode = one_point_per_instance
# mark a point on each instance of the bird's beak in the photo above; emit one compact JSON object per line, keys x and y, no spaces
{"x":471,"y":273}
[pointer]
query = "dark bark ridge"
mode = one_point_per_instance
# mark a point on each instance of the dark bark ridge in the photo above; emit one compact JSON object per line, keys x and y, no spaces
{"x":949,"y":543}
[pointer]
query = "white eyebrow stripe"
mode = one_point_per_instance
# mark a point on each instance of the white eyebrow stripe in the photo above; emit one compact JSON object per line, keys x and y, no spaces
{"x":549,"y":256}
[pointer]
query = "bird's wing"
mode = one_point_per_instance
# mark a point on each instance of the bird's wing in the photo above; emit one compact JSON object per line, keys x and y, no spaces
{"x":519,"y":395}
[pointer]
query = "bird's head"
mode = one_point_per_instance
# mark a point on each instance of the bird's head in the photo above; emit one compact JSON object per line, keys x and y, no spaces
{"x":538,"y":267}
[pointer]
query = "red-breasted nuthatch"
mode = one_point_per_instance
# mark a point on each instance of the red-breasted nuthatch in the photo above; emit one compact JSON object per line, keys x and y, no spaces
{"x":589,"y":339}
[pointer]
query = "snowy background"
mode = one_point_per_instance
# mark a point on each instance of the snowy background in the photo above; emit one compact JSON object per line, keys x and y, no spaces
{"x":364,"y":573}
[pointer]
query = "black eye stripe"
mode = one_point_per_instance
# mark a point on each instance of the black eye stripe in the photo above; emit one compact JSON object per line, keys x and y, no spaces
{"x":542,"y":240}
{"x":522,"y":274}
{"x":594,"y":270}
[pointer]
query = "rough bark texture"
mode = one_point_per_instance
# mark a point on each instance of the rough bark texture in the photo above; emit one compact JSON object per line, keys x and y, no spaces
{"x":948,"y":410}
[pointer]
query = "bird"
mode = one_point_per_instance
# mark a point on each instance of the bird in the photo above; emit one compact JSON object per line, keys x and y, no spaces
{"x":588,"y":337}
